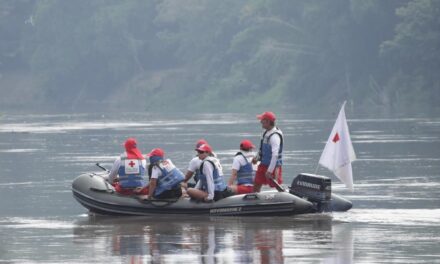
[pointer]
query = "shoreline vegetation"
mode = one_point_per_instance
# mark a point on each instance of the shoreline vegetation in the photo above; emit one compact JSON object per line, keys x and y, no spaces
{"x":303,"y":57}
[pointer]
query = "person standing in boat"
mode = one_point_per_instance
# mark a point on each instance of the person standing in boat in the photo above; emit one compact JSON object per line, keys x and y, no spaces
{"x":193,"y":167}
{"x":242,"y":169}
{"x":165,"y":178}
{"x":270,"y":153}
{"x":211,"y":186}
{"x":128,"y":172}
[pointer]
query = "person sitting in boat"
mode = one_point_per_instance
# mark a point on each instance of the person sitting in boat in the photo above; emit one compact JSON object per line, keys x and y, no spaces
{"x":128,"y":172}
{"x":211,"y":186}
{"x":165,"y":178}
{"x":193,"y":167}
{"x":242,"y":169}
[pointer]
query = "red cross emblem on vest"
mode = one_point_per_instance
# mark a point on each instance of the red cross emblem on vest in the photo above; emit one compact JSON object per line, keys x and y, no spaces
{"x":131,"y":163}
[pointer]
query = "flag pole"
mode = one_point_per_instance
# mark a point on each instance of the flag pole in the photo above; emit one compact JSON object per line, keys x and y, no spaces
{"x":317,"y":167}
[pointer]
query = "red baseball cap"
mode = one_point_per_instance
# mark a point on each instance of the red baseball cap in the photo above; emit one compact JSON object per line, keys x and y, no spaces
{"x":204,"y":148}
{"x":158,"y":152}
{"x":267,"y":115}
{"x":246,"y":145}
{"x":201,"y":142}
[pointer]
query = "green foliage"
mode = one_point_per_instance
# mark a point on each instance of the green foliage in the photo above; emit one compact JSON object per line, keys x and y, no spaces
{"x":414,"y":54}
{"x":231,"y":55}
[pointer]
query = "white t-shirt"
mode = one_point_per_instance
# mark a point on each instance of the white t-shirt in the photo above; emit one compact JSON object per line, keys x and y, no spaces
{"x":156,"y":172}
{"x":239,"y":160}
{"x":194,"y":164}
{"x":218,"y":165}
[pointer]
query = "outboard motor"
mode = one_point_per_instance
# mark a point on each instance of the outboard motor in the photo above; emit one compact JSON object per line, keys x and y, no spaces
{"x":318,"y":190}
{"x":314,"y":188}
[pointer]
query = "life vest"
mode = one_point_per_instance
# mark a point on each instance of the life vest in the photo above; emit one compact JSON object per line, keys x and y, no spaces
{"x":131,"y":173}
{"x":245,"y":175}
{"x":197,"y":175}
{"x":170,"y":178}
{"x":266,"y":148}
{"x":219,"y":184}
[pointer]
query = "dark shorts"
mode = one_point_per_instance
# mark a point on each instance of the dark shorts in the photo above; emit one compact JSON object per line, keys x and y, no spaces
{"x":191,"y":185}
{"x":260,"y":176}
{"x":170,"y":194}
{"x":223,"y":194}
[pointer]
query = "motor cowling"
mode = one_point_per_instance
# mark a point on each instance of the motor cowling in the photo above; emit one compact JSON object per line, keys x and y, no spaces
{"x":314,"y":188}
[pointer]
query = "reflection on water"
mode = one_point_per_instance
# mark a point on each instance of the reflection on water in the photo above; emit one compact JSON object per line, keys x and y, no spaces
{"x":220,"y":239}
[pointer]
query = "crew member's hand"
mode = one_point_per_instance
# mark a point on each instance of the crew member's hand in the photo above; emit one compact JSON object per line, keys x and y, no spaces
{"x":268,"y":175}
{"x":184,"y":185}
{"x":254,"y":160}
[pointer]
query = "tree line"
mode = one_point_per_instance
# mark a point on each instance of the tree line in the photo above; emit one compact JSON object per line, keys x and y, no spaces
{"x":303,"y":56}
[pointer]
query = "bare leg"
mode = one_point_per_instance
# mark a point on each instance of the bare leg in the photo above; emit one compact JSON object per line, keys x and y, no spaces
{"x":257,"y":187}
{"x":184,"y":193}
{"x":143,"y":197}
{"x":197,"y":194}
{"x":233,"y":188}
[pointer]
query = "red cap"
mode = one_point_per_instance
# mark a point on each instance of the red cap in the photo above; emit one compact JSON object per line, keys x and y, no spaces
{"x":267,"y":115}
{"x":201,"y":142}
{"x":246,"y":145}
{"x":204,"y":148}
{"x":158,"y":152}
{"x":131,"y":149}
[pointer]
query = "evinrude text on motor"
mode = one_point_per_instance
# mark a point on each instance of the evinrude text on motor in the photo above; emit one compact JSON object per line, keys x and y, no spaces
{"x":318,"y":190}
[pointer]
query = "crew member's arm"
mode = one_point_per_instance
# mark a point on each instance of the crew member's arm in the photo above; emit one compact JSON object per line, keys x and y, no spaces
{"x":192,"y":167}
{"x":257,"y":156}
{"x":155,"y":174}
{"x":235,"y":169}
{"x":233,"y":177}
{"x":275,"y":142}
{"x":114,"y":171}
{"x":208,"y":170}
{"x":188,"y":176}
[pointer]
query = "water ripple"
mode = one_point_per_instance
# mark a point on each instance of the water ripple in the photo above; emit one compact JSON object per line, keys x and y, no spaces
{"x":34,"y":223}
{"x":407,"y":217}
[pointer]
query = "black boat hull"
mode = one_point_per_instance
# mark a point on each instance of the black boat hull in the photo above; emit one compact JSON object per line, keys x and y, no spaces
{"x":94,"y":193}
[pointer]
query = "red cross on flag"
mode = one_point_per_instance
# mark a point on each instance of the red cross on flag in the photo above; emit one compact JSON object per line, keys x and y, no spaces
{"x":338,"y":152}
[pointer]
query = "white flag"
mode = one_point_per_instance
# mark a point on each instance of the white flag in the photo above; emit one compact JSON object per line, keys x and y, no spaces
{"x":338,"y":152}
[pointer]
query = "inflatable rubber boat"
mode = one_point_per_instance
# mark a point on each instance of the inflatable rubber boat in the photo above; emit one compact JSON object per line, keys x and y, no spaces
{"x":308,"y":194}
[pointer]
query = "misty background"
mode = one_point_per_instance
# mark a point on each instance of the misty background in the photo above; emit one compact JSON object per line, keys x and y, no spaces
{"x":302,"y":56}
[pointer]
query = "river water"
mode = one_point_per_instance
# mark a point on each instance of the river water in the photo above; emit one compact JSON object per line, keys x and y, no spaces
{"x":395,"y":218}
